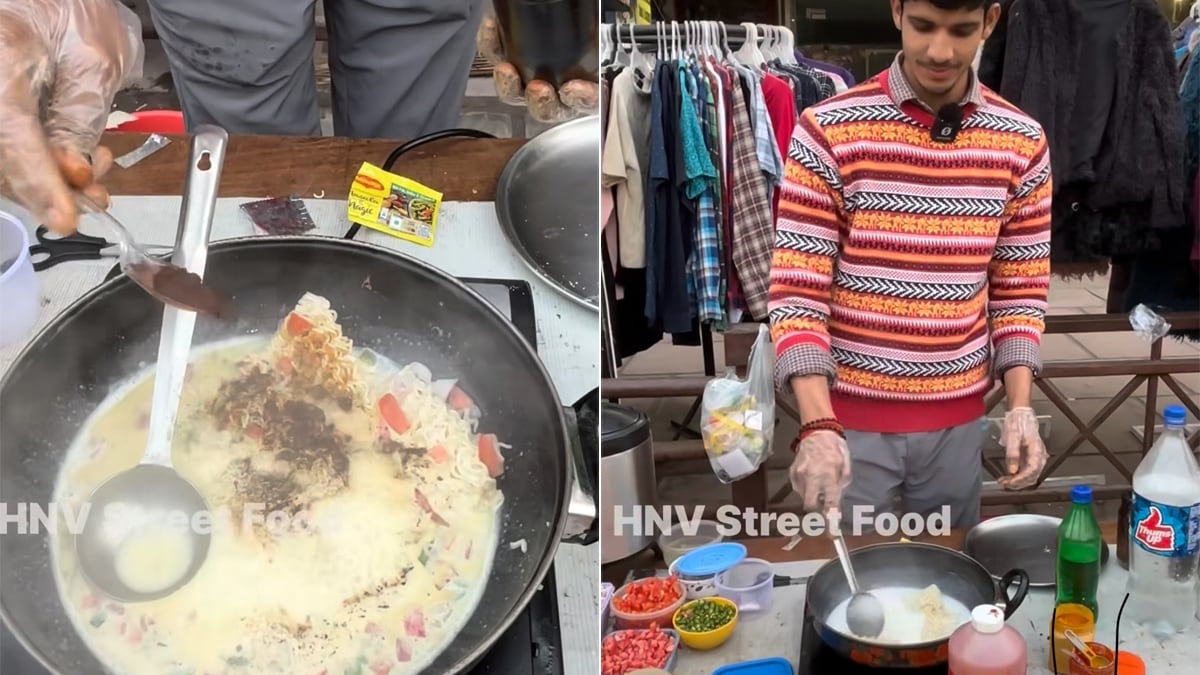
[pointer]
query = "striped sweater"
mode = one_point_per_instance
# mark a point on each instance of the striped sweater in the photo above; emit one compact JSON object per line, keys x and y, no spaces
{"x":909,"y":272}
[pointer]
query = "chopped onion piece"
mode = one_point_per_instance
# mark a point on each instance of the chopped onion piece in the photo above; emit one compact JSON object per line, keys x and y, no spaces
{"x":442,"y":388}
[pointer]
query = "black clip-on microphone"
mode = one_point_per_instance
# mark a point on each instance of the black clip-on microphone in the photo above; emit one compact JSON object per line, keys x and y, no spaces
{"x":948,"y":124}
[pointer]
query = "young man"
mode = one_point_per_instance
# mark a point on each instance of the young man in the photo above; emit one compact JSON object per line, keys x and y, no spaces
{"x":910,"y":272}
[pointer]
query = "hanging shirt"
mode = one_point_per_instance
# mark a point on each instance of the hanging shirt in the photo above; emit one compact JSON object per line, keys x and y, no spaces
{"x":624,"y":161}
{"x":842,"y":74}
{"x":753,"y":226}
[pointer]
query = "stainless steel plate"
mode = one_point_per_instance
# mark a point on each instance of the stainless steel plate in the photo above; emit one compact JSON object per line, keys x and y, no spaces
{"x":1025,"y":541}
{"x":548,"y":205}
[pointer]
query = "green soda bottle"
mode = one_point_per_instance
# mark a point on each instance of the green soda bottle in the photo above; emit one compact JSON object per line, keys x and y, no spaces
{"x":1079,"y":542}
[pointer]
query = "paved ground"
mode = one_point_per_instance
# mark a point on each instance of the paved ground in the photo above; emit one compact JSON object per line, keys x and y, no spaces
{"x":1088,"y":396}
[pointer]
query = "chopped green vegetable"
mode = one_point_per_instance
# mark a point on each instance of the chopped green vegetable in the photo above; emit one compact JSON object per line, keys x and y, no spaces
{"x":98,"y":619}
{"x":423,"y":558}
{"x":238,"y":661}
{"x":704,"y":616}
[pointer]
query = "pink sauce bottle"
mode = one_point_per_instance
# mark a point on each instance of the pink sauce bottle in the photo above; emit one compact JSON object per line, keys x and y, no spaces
{"x":987,"y":646}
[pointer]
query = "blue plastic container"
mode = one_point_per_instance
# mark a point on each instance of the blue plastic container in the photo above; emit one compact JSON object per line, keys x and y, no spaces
{"x":775,"y":666}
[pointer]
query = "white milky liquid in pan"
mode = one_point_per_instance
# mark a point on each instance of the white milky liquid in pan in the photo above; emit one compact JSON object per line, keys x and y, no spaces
{"x":903,"y":621}
{"x":227,"y":618}
{"x":154,"y":557}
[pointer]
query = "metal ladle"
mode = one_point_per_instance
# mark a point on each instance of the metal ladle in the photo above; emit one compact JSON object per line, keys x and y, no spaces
{"x":152,"y":495}
{"x":864,"y":613}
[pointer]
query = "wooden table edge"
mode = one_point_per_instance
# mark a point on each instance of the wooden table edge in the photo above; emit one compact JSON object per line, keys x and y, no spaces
{"x":259,"y":166}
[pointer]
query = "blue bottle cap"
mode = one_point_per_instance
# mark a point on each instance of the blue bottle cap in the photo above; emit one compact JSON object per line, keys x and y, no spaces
{"x":711,"y":559}
{"x":773,"y":666}
{"x":1175,"y":415}
{"x":1081,"y":494}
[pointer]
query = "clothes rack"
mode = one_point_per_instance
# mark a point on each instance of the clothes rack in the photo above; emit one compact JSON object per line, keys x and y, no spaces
{"x":755,"y":83}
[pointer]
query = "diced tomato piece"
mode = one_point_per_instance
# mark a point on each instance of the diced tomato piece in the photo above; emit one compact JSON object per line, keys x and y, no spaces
{"x":414,"y":624}
{"x":254,"y":431}
{"x":489,"y":454}
{"x":439,"y":454}
{"x":297,"y":325}
{"x":423,"y":502}
{"x":458,"y":400}
{"x":381,"y":668}
{"x":402,"y":653}
{"x":393,"y":414}
{"x":373,"y":629}
{"x":284,"y":365}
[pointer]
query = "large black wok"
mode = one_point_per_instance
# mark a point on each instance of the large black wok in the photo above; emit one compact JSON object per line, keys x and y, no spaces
{"x":906,"y":565}
{"x":407,"y":311}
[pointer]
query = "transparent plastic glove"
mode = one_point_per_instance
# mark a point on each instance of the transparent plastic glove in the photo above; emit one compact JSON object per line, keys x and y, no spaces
{"x":1024,"y":453}
{"x":821,"y":471}
{"x":574,"y":99}
{"x":61,"y":63}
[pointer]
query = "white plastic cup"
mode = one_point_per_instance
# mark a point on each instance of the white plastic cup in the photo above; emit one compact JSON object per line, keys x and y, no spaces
{"x":18,"y":282}
{"x":749,"y":584}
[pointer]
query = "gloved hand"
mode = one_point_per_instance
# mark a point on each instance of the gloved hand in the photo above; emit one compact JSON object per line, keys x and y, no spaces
{"x":821,"y":470}
{"x":61,"y":63}
{"x":574,"y":99}
{"x":1024,"y":453}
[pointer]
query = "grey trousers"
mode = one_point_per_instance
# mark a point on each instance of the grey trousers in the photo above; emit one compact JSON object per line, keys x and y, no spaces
{"x":919,"y":472}
{"x":399,"y":67}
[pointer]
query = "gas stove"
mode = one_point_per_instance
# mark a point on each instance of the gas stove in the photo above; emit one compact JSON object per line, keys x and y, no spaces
{"x":533,"y":644}
{"x":817,"y":658}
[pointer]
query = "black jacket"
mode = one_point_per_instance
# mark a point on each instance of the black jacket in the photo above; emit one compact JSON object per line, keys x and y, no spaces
{"x":1114,"y":73}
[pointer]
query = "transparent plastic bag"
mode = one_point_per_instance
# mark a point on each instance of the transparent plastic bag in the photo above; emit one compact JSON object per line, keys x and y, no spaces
{"x":737,"y":419}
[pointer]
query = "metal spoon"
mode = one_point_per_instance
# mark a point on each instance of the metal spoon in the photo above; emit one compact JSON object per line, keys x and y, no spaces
{"x":864,"y":613}
{"x":152,"y":499}
{"x":167,"y":282}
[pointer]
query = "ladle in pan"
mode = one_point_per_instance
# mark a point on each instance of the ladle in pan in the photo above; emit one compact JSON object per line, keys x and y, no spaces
{"x":145,"y":536}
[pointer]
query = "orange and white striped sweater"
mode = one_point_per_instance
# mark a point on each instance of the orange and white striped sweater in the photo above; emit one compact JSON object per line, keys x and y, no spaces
{"x":910,"y":272}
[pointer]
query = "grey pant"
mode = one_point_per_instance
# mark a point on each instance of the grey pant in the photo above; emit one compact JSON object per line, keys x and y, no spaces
{"x":919,"y":472}
{"x":399,"y":67}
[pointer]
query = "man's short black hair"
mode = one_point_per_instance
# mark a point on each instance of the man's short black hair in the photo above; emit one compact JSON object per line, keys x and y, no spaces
{"x":969,"y":5}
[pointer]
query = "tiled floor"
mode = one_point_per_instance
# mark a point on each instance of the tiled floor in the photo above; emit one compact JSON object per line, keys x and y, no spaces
{"x":695,"y":484}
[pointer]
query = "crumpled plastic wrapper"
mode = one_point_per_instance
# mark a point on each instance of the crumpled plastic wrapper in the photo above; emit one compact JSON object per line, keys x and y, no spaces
{"x":1148,"y":324}
{"x":280,"y":215}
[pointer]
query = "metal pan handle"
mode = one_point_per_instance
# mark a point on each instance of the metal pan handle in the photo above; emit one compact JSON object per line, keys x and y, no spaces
{"x":1010,"y":603}
{"x":583,"y":525}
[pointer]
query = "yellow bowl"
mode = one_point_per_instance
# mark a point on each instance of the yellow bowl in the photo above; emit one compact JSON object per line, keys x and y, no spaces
{"x":708,"y":639}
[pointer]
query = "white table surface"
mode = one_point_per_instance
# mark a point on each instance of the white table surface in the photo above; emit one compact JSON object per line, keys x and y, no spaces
{"x":778,"y":633}
{"x":469,"y":242}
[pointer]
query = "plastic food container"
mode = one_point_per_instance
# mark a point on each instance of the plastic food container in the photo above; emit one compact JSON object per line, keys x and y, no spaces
{"x":676,"y":541}
{"x":698,"y":569}
{"x":670,"y":633}
{"x":695,"y":587}
{"x":606,"y":593}
{"x":18,"y":282}
{"x":749,"y":585}
{"x":708,"y":639}
{"x":661,"y":618}
{"x":773,"y":666}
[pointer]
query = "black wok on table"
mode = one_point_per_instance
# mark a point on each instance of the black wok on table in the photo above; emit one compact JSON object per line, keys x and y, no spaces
{"x":407,"y":312}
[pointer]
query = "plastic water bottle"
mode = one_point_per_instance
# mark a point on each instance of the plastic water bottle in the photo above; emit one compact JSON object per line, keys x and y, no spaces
{"x":1164,"y":532}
